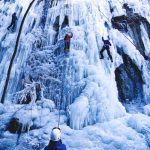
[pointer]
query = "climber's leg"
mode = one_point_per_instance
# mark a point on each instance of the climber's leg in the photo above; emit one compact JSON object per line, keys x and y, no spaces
{"x":101,"y":53}
{"x":10,"y":26}
{"x":108,"y":51}
{"x":13,"y":26}
{"x":67,"y":46}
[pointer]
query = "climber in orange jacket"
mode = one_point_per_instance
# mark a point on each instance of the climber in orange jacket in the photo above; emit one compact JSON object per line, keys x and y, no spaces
{"x":67,"y":40}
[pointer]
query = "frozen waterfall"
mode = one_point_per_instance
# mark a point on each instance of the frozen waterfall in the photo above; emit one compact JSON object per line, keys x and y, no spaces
{"x":92,"y":92}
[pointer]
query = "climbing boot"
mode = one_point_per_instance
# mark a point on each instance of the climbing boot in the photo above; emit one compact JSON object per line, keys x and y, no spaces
{"x":101,"y":57}
{"x":66,"y":50}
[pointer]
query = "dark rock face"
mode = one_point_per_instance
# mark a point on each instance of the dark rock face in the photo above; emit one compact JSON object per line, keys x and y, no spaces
{"x":129,"y":80}
{"x":136,"y":35}
{"x":131,"y":23}
{"x":120,"y":23}
{"x":14,"y":126}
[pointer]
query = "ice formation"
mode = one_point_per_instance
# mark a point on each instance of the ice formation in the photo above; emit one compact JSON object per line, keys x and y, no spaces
{"x":104,"y":104}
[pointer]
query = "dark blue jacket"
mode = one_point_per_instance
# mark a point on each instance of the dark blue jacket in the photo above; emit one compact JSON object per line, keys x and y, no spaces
{"x":14,"y":17}
{"x":55,"y":146}
{"x":106,"y":42}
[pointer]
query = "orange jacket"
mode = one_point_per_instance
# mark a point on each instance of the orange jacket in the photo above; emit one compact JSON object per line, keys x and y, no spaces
{"x":68,"y":37}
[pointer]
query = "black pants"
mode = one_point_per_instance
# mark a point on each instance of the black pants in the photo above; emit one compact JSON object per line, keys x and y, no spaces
{"x":67,"y":45}
{"x":12,"y":25}
{"x":108,"y":52}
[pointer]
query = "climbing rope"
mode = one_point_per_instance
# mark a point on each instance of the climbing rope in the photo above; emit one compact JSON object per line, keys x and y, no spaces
{"x":14,"y":53}
{"x":62,"y":91}
{"x":120,"y":32}
{"x":28,"y":127}
{"x":122,"y":3}
{"x":114,"y":22}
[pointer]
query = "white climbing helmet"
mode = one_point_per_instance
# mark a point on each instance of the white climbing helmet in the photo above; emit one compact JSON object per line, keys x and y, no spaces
{"x":56,"y":134}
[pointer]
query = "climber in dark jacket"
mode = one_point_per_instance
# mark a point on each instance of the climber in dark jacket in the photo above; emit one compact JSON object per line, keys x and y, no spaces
{"x":106,"y":46}
{"x":13,"y":22}
{"x":67,"y":41}
{"x":55,"y":142}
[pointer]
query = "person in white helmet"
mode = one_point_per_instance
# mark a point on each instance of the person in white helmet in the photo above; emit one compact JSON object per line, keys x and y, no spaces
{"x":55,"y":142}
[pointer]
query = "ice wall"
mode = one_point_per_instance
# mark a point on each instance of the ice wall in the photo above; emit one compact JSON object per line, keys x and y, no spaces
{"x":86,"y":85}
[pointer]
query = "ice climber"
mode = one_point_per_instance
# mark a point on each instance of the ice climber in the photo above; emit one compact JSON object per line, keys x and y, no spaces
{"x":13,"y":22}
{"x":106,"y":46}
{"x":67,"y":41}
{"x":55,"y":142}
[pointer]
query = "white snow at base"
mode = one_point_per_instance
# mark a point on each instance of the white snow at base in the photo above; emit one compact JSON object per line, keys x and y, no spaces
{"x":129,"y":132}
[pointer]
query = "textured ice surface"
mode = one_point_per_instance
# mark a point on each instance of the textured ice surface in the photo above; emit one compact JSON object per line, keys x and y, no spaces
{"x":90,"y":94}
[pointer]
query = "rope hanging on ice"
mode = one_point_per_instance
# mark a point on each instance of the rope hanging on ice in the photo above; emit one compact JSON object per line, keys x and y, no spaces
{"x":14,"y":53}
{"x":120,"y":32}
{"x":60,"y":101}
